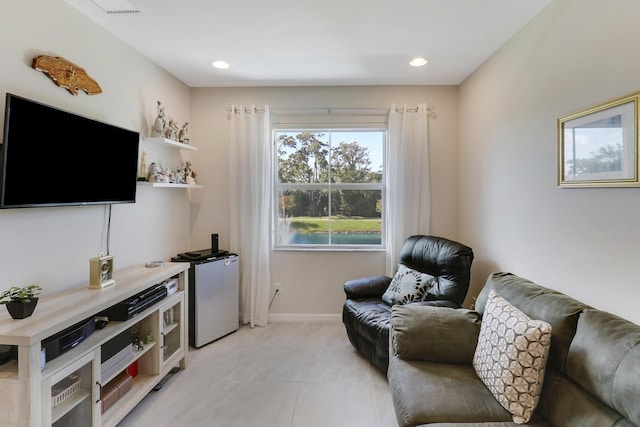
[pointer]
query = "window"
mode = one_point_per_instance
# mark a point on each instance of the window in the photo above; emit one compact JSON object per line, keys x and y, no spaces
{"x":329,"y":188}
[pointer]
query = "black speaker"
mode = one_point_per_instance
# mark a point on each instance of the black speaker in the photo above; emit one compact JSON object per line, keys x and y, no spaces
{"x":65,"y":340}
{"x":214,"y":243}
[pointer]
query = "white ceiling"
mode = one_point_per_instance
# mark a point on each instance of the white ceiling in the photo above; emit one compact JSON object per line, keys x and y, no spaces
{"x":316,"y":42}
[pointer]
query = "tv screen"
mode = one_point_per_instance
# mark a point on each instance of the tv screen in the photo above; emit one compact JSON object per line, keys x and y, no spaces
{"x":52,"y":157}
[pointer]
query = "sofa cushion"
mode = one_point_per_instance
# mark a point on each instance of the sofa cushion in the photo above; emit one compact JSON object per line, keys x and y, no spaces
{"x":559,"y":310}
{"x":511,"y":356}
{"x":434,"y":334}
{"x":604,"y":358}
{"x":408,"y":285}
{"x":428,"y":392}
{"x":564,"y":403}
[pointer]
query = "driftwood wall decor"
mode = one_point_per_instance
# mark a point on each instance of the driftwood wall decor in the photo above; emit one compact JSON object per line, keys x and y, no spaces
{"x":66,"y":74}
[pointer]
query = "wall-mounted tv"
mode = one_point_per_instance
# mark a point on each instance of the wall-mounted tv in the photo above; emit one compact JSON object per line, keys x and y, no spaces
{"x":51,"y":157}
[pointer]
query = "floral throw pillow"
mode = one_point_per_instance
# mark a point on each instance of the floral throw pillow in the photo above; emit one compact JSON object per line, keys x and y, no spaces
{"x":407,"y":286}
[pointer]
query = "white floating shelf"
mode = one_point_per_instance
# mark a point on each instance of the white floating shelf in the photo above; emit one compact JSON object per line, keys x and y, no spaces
{"x":169,"y":185}
{"x":170,"y":142}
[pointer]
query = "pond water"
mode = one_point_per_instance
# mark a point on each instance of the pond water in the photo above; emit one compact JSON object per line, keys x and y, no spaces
{"x":336,"y":239}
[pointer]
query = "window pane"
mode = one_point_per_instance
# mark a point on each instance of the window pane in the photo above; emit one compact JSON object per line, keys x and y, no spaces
{"x":357,"y":217}
{"x":356,"y":156}
{"x":303,"y":157}
{"x":329,"y":187}
{"x":302,"y":217}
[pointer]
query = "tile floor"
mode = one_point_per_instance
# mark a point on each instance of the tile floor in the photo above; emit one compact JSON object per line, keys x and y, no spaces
{"x":281,"y":375}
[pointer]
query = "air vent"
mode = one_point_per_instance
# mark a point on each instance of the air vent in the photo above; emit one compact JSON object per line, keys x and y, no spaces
{"x":117,"y":6}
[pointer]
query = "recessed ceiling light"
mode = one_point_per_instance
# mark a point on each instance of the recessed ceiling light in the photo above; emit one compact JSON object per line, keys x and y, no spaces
{"x":220,"y":64}
{"x":417,"y":62}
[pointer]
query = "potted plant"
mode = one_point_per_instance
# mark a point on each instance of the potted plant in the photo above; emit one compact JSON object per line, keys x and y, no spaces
{"x":21,"y":301}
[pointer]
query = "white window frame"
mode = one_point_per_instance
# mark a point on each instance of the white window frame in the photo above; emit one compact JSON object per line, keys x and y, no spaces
{"x":329,"y":186}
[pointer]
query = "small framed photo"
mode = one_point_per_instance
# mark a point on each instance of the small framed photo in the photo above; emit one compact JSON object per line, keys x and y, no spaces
{"x":598,"y":147}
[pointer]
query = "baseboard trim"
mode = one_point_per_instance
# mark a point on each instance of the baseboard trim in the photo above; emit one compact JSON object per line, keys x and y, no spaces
{"x":302,"y":317}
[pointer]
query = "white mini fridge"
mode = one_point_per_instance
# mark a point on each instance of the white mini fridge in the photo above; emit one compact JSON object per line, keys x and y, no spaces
{"x":214,"y":296}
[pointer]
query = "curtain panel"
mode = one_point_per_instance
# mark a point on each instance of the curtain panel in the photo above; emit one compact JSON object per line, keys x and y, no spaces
{"x":407,"y":199}
{"x":250,"y":191}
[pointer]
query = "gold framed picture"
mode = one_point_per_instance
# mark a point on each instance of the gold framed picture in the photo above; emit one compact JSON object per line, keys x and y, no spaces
{"x":598,"y":146}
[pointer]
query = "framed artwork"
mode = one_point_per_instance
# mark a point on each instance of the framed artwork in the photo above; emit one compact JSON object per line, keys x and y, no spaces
{"x":598,"y":147}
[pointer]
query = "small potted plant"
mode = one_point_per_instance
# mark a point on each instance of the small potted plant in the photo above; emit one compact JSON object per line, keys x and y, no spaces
{"x":21,"y":301}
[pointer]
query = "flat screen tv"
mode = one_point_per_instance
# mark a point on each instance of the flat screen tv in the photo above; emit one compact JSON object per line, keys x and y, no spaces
{"x":51,"y":157}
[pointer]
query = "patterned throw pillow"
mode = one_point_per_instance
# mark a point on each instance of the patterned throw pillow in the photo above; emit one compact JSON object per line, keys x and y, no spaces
{"x":511,"y":356}
{"x":407,"y":286}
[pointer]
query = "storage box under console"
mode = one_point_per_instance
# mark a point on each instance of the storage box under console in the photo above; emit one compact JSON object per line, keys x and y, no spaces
{"x":115,"y":389}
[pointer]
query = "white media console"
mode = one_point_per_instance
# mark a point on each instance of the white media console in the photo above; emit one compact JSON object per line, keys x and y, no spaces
{"x":71,"y":389}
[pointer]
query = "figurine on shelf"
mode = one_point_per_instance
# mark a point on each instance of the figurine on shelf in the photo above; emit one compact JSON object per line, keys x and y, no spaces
{"x":189,"y":174}
{"x":169,"y":176}
{"x":160,"y":124}
{"x":166,"y":173}
{"x":183,"y":133}
{"x":155,"y":173}
{"x":179,"y":175}
{"x":142,"y":176}
{"x":149,"y":338}
{"x":172,"y":130}
{"x":136,"y":341}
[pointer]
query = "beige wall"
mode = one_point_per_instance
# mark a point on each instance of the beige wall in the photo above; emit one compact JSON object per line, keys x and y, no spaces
{"x":312,"y":281}
{"x":52,"y":246}
{"x":583,"y":242}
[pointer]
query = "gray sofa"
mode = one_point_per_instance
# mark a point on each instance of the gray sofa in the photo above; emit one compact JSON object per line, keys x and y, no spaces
{"x":592,"y":376}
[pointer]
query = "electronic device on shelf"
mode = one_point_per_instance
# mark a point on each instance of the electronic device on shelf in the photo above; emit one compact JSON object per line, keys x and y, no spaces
{"x":101,"y":271}
{"x":214,"y":242}
{"x":171,"y":285}
{"x":116,"y":354}
{"x":136,"y":304}
{"x":101,"y":322}
{"x":68,"y":338}
{"x":200,"y":255}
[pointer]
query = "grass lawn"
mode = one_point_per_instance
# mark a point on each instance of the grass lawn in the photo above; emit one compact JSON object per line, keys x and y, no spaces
{"x":307,"y":224}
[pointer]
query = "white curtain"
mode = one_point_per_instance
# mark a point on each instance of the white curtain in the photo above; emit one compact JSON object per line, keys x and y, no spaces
{"x":407,"y":201}
{"x":250,"y":207}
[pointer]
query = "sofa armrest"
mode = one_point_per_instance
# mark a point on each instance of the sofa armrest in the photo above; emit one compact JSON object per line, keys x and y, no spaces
{"x":434,"y":334}
{"x":367,"y":287}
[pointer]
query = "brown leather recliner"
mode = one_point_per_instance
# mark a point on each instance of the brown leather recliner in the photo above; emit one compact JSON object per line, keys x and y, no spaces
{"x":366,"y":316}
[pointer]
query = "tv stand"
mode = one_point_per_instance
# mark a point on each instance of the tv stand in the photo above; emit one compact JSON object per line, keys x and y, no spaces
{"x":72,"y":389}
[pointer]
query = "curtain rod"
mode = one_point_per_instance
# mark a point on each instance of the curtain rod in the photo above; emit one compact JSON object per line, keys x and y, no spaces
{"x":327,"y":109}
